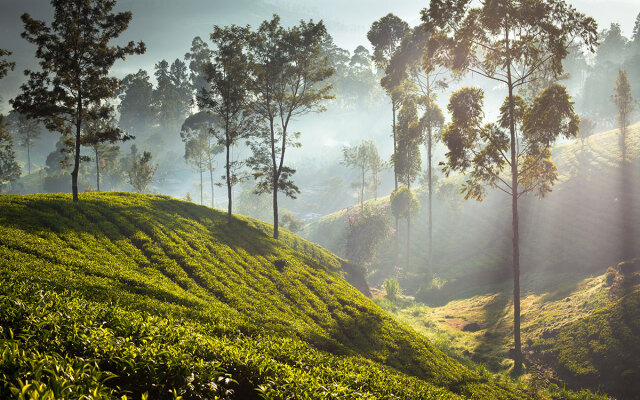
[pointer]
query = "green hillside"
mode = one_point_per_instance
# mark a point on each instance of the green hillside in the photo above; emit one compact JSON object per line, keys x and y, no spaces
{"x":577,"y":227}
{"x":147,"y":295}
{"x":601,"y":350}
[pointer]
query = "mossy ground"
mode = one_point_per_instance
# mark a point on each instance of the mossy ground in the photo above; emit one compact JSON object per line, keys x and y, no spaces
{"x":126,"y":294}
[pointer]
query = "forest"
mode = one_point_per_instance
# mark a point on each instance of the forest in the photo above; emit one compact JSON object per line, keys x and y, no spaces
{"x":270,"y":199}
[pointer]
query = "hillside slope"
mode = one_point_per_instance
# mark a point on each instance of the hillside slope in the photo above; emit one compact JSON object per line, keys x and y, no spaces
{"x":575,"y":227}
{"x":600,"y":351}
{"x":168,"y":299}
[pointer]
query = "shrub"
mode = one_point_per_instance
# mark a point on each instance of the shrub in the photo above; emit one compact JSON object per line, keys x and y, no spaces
{"x":367,"y":229}
{"x":627,"y":268}
{"x":392,"y":288}
{"x":610,"y":277}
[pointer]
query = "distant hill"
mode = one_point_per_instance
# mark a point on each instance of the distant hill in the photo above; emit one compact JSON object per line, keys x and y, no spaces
{"x":576,"y":227}
{"x":159,"y":298}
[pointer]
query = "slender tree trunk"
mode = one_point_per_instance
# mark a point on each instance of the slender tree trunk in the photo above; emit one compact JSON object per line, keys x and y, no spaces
{"x":97,"y":169}
{"x":213,"y":203}
{"x":408,"y":241}
{"x":76,"y":161}
{"x":395,"y":146}
{"x":430,"y":227}
{"x":276,"y":234}
{"x":623,"y":138}
{"x":362,"y":190}
{"x":516,"y":236}
{"x":200,"y":170}
{"x":29,"y":157}
{"x":229,"y":207}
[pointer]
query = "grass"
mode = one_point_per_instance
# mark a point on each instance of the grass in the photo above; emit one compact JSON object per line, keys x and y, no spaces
{"x":151,"y":297}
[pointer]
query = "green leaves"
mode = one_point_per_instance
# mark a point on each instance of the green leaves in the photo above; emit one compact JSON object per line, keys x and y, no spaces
{"x":550,"y":116}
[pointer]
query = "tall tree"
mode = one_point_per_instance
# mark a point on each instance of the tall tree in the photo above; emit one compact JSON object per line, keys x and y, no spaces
{"x":360,"y":157}
{"x":202,"y":145}
{"x":167,"y":101}
{"x":228,"y":79}
{"x":26,"y":130}
{"x":376,"y":166}
{"x":76,"y":41}
{"x":136,"y":102}
{"x":406,"y":160}
{"x":385,"y":35}
{"x":288,"y":80}
{"x":586,"y":129}
{"x":510,"y":42}
{"x":625,"y":104}
{"x":417,"y":63}
{"x":180,"y":79}
{"x":142,"y":171}
{"x":9,"y":168}
{"x":198,"y":56}
{"x":101,"y":128}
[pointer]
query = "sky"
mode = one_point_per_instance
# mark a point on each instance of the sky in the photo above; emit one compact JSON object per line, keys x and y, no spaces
{"x":168,"y":26}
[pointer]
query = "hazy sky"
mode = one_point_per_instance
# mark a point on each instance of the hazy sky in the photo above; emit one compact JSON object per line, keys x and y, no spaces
{"x":168,"y":26}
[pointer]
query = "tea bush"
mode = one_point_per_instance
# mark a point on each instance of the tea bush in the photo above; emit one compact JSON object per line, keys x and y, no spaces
{"x":148,"y":296}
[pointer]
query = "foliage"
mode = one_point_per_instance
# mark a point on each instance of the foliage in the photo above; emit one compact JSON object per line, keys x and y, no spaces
{"x":141,"y":172}
{"x":5,"y":66}
{"x":406,"y":159}
{"x":392,"y":288}
{"x":625,"y":104}
{"x":404,"y":203}
{"x":367,"y":229}
{"x":167,"y":297}
{"x":586,"y":128}
{"x":26,"y":130}
{"x":9,"y":168}
{"x":288,"y":221}
{"x":62,"y":99}
{"x":136,"y":102}
{"x":100,"y":128}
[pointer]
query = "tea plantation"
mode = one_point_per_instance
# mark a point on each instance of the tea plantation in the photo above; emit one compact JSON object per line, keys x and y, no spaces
{"x":139,"y":296}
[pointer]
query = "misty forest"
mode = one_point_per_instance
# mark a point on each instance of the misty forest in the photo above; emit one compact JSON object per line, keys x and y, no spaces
{"x":278,"y":199}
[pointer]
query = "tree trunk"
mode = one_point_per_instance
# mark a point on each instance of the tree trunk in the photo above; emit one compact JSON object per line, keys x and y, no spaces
{"x":362,"y":190}
{"x":76,"y":161}
{"x":29,"y":157}
{"x":395,"y":147}
{"x":229,"y":207}
{"x":408,"y":240}
{"x":213,"y":203}
{"x":201,"y":201}
{"x":430,"y":227}
{"x":275,"y":208}
{"x":516,"y":237}
{"x":97,"y":170}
